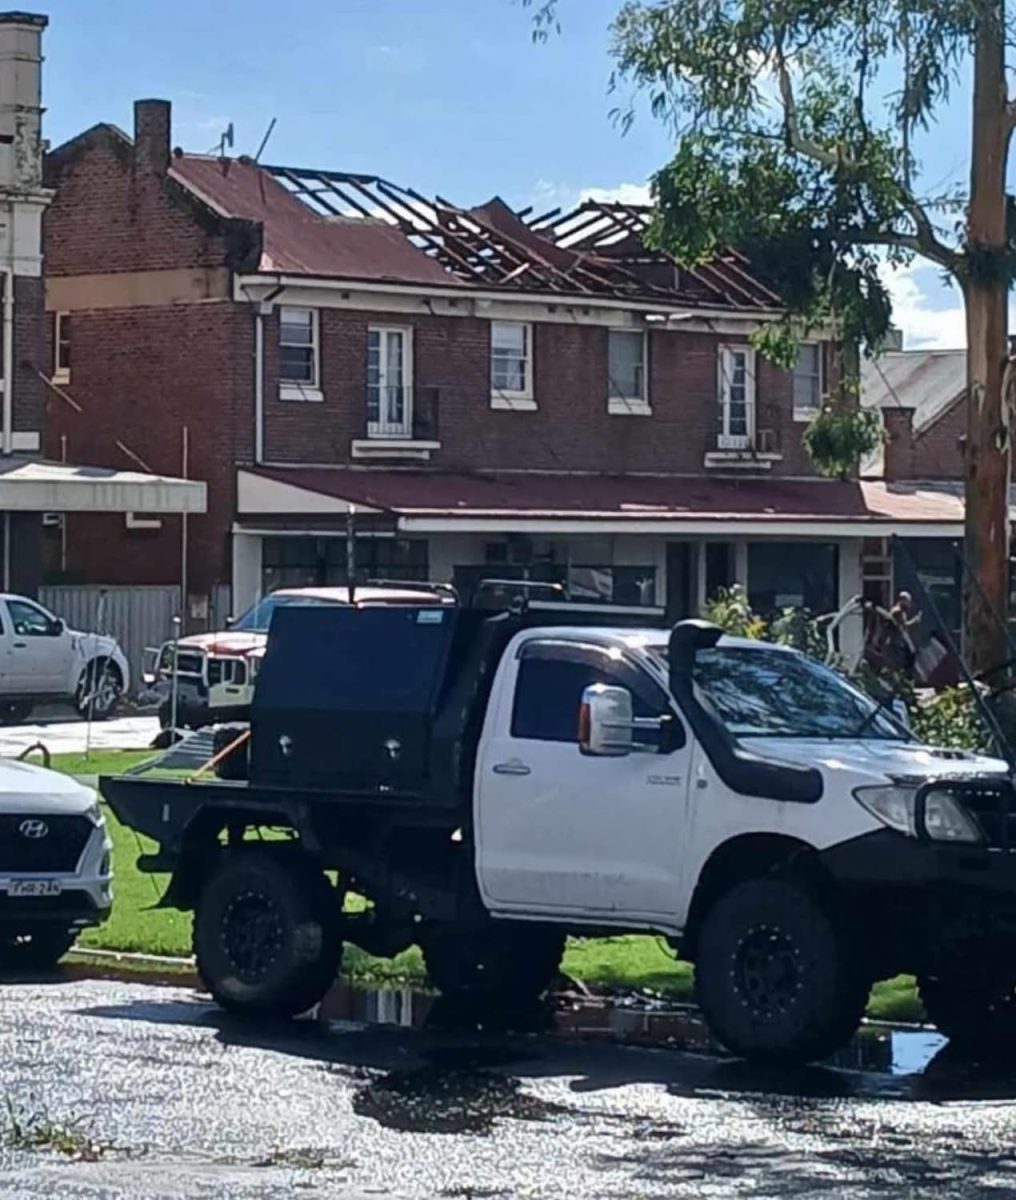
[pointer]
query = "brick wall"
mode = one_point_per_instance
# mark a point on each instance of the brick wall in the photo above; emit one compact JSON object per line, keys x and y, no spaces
{"x":114,"y":212}
{"x":937,"y":450}
{"x":140,"y":375}
{"x":572,"y":429}
{"x":30,"y":354}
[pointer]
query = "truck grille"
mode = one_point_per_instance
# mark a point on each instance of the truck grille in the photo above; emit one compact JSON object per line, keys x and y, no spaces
{"x":190,"y":664}
{"x":225,"y":670}
{"x":23,"y":850}
{"x":994,"y":805}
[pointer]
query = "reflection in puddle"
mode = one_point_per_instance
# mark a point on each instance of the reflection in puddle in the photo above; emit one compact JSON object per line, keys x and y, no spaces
{"x":874,"y":1048}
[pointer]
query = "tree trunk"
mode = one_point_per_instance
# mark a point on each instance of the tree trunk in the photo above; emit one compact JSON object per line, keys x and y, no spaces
{"x":986,"y":587}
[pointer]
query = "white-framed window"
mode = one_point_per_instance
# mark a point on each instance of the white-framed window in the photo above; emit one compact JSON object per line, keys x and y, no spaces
{"x":511,"y":365}
{"x":627,"y":360}
{"x":809,"y":381}
{"x":61,"y":347}
{"x":389,"y":382}
{"x":736,"y":386}
{"x":299,"y":354}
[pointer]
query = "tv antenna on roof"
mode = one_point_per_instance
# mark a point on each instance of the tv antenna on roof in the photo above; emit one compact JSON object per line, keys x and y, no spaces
{"x":264,"y":140}
{"x":227,"y":139}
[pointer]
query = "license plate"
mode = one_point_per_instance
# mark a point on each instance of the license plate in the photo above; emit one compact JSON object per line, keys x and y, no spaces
{"x":34,"y":887}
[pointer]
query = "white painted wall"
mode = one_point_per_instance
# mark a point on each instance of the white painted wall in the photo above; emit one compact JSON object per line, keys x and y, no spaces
{"x":246,"y":570}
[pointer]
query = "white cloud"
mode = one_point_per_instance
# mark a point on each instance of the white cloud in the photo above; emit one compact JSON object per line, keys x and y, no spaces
{"x":623,"y":193}
{"x":926,"y":308}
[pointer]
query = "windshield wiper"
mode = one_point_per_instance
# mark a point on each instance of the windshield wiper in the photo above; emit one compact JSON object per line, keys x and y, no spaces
{"x":881,"y":706}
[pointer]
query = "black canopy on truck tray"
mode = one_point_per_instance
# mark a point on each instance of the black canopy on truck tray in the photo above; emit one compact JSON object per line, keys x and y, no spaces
{"x":346,"y":697}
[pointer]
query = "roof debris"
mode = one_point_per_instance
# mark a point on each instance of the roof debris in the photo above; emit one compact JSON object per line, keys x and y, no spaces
{"x":339,"y":223}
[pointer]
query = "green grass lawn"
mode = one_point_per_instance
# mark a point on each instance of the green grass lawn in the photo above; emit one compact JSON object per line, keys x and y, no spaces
{"x":627,"y":962}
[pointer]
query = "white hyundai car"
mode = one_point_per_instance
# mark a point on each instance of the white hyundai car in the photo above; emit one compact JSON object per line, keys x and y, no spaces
{"x":55,"y":864}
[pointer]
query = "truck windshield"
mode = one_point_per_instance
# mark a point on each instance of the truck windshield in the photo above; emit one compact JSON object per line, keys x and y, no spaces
{"x":258,"y":618}
{"x":772,"y":693}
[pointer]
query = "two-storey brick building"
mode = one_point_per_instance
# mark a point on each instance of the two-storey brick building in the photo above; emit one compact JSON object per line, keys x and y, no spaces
{"x":31,"y":487}
{"x":470,"y":391}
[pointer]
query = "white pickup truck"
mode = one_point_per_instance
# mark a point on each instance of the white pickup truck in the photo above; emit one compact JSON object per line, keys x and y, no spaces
{"x":44,"y":662}
{"x":55,"y":865}
{"x":495,"y":782}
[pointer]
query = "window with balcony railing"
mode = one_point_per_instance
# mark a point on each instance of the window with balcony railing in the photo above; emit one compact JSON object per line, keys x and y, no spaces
{"x":736,"y":398}
{"x":389,"y":383}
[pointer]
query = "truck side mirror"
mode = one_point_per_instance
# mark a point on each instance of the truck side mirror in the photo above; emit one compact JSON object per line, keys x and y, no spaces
{"x":606,"y":721}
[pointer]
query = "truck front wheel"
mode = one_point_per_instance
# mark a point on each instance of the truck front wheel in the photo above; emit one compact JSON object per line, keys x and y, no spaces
{"x":502,"y":964}
{"x":971,"y":1008}
{"x":776,"y":975}
{"x":266,"y":934}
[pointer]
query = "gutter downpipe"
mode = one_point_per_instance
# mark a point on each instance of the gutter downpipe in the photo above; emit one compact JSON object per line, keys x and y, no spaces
{"x":7,"y":444}
{"x":262,"y":309}
{"x":259,"y":384}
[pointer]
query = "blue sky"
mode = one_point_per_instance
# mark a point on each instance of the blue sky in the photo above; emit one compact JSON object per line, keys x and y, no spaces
{"x":450,"y":96}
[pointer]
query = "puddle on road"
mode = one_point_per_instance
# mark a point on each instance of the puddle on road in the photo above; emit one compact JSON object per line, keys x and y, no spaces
{"x":649,"y":1022}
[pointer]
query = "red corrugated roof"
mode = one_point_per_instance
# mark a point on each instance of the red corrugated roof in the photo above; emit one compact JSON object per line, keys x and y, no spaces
{"x":299,"y":241}
{"x":631,"y":497}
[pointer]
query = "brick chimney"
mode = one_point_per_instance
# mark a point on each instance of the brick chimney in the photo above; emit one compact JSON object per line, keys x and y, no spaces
{"x":898,"y":455}
{"x":152,"y":119}
{"x":21,"y":100}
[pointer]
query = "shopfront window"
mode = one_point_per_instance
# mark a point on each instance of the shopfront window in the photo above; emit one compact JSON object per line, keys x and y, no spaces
{"x":320,"y":561}
{"x":793,"y":575}
{"x":584,"y":570}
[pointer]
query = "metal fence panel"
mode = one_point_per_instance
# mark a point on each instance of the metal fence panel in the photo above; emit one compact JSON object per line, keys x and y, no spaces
{"x":136,"y":616}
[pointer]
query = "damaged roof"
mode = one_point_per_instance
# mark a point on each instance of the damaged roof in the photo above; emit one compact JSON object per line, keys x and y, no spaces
{"x":297,"y":240}
{"x":364,"y":227}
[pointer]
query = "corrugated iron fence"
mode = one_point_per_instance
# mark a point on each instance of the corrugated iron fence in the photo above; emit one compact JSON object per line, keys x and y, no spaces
{"x":136,"y":616}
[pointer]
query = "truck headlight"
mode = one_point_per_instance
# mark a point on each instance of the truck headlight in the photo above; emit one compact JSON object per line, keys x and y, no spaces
{"x":944,"y":818}
{"x":936,"y":814}
{"x":94,"y":814}
{"x":893,"y":805}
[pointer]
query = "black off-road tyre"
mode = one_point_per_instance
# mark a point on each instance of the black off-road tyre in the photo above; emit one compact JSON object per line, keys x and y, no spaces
{"x":506,"y":965}
{"x":778,"y":975}
{"x":99,"y":690}
{"x":972,"y":1010}
{"x":15,"y":712}
{"x":266,"y":933}
{"x":38,"y":949}
{"x":236,"y":764}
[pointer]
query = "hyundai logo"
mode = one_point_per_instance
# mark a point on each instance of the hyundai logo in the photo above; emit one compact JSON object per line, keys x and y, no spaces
{"x":33,"y":829}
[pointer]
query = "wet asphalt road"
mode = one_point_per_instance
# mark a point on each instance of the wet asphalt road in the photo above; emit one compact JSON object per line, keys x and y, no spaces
{"x":178,"y":1100}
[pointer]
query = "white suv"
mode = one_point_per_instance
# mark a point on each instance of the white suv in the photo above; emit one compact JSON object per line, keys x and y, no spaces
{"x":55,"y":864}
{"x":42,"y":661}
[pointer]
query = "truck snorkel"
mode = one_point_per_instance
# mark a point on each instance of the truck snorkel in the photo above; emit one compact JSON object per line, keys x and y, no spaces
{"x":741,"y":770}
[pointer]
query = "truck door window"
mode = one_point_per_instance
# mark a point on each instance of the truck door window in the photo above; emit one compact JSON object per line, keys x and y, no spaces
{"x":29,"y":621}
{"x":551,"y":680}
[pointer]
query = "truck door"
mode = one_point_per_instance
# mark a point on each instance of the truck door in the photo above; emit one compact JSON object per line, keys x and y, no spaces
{"x":559,"y":832}
{"x":38,"y":650}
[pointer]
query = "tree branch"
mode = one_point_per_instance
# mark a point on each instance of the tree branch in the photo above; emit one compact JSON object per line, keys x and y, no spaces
{"x":927,"y":239}
{"x":924,"y":242}
{"x":896,"y":239}
{"x":792,"y":127}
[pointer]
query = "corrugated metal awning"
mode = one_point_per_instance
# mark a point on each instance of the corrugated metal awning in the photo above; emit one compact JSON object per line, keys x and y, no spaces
{"x":33,"y":486}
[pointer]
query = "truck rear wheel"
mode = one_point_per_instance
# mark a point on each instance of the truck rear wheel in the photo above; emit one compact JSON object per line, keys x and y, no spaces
{"x":507,"y":964}
{"x":266,"y":934}
{"x":969,"y":1008}
{"x":776,"y":976}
